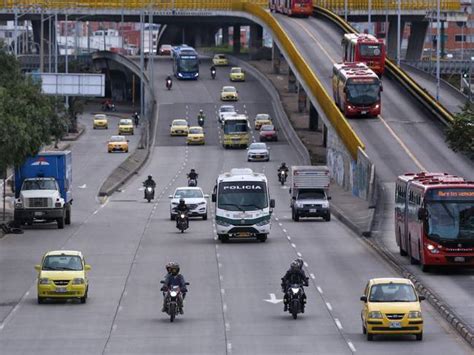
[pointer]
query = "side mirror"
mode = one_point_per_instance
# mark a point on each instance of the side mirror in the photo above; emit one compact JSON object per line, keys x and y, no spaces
{"x":213,"y":198}
{"x":128,"y":140}
{"x":170,"y":196}
{"x":272,"y":203}
{"x":38,"y":267}
{"x":421,"y":298}
{"x":363,"y":298}
{"x":381,"y":87}
{"x":162,"y":282}
{"x":329,"y":198}
{"x":294,"y":198}
{"x":290,"y":190}
{"x":206,"y":196}
{"x":87,"y":267}
{"x":422,"y":213}
{"x":186,"y":283}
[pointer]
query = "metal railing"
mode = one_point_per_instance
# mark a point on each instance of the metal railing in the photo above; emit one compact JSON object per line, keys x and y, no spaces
{"x":406,"y":5}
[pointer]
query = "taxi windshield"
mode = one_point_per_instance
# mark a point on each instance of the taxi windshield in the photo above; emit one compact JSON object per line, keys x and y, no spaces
{"x":236,"y":70}
{"x":228,"y":89}
{"x":195,"y":131}
{"x":126,"y":121}
{"x":62,"y":262}
{"x":118,"y":139}
{"x":392,"y":292}
{"x":180,"y":123}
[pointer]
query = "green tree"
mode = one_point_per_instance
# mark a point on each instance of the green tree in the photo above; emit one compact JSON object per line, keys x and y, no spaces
{"x":460,"y":136}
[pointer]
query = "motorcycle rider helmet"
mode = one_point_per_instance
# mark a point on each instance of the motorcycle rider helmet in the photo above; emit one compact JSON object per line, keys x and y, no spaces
{"x":150,"y":177}
{"x":283,"y":164}
{"x":201,"y":112}
{"x":181,"y":201}
{"x":300,"y":262}
{"x":193,"y":171}
{"x":295,"y":265}
{"x":168,"y":266}
{"x":174,"y":269}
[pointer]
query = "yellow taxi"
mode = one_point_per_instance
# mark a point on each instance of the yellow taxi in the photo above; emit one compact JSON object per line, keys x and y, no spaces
{"x":179,"y":127}
{"x":229,"y":93}
{"x":195,"y":135}
{"x":391,"y":306}
{"x":262,"y":119}
{"x":117,"y":144}
{"x":62,"y":274}
{"x":100,"y":121}
{"x":237,"y":74}
{"x":125,"y":126}
{"x":220,"y":60}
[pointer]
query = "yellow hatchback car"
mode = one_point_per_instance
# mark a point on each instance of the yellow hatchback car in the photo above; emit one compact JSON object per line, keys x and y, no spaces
{"x":125,"y":126}
{"x":229,"y":93}
{"x":220,"y":60}
{"x":63,"y":274}
{"x":179,"y":127}
{"x":262,"y":119}
{"x":391,"y":306}
{"x":117,"y":144}
{"x":100,"y":121}
{"x":195,"y":135}
{"x":236,"y":74}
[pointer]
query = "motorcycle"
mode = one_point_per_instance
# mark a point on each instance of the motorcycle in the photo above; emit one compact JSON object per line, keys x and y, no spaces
{"x":296,"y":301}
{"x":182,"y":222}
{"x":192,"y":182}
{"x":213,"y":74}
{"x":149,"y":193}
{"x":108,"y":107}
{"x":173,"y":301}
{"x":169,"y":84}
{"x":201,"y":121}
{"x":282,"y":175}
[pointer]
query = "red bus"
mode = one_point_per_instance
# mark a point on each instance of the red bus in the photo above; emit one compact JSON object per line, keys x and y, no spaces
{"x":303,"y":8}
{"x":364,"y":48}
{"x":434,"y":219}
{"x":356,"y":90}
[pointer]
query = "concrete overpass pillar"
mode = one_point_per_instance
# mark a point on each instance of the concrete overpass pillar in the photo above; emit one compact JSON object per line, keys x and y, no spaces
{"x":302,"y":98}
{"x":313,"y":118}
{"x":276,"y":59}
{"x":292,"y":87}
{"x":236,"y":39}
{"x":256,"y":39}
{"x":416,"y":40}
{"x":225,"y":36}
{"x":392,"y":36}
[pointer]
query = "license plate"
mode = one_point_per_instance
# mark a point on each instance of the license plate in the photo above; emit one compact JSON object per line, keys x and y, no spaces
{"x":38,"y":214}
{"x":61,"y":289}
{"x":244,"y":234}
{"x":312,"y":210}
{"x":363,"y":112}
{"x":459,"y":259}
{"x":395,"y":325}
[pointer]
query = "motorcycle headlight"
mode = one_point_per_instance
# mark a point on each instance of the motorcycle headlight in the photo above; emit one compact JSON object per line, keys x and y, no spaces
{"x":44,"y":281}
{"x":182,"y":215}
{"x":414,"y":314}
{"x":173,"y":293}
{"x":375,"y":314}
{"x":295,"y":290}
{"x":78,"y":281}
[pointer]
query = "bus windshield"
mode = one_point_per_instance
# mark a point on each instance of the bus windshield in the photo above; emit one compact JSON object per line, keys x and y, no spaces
{"x":235,"y":127}
{"x":363,"y":93}
{"x":451,"y":220}
{"x":188,"y":65}
{"x":370,"y":50}
{"x":242,"y":196}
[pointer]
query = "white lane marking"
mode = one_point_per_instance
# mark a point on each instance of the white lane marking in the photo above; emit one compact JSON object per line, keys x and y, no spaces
{"x":280,"y":224}
{"x":227,"y":327}
{"x":328,"y":305}
{"x":305,"y":264}
{"x":229,"y":347}
{"x":114,"y":327}
{"x":276,"y":218}
{"x":312,"y":276}
{"x":221,"y":278}
{"x":125,"y":294}
{"x":320,"y":290}
{"x":95,"y":212}
{"x":299,"y":254}
{"x":293,"y":245}
{"x":288,"y":237}
{"x":338,"y":323}
{"x":284,"y":230}
{"x":220,"y":265}
{"x":218,"y":255}
{"x":222,"y":291}
{"x":120,"y":308}
{"x":224,"y":307}
{"x":351,"y":346}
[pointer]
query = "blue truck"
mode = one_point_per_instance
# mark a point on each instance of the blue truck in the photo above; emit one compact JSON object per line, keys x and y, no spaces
{"x":43,"y":189}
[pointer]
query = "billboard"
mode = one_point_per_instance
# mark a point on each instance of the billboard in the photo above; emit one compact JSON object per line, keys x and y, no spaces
{"x":75,"y":84}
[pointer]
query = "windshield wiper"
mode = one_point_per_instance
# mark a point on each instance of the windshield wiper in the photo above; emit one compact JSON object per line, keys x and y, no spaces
{"x":232,"y":204}
{"x":252,"y":205}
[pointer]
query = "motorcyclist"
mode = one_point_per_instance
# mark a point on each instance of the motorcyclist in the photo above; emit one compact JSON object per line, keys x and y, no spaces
{"x":174,"y":278}
{"x":182,"y":208}
{"x":213,"y":71}
{"x":294,"y":276}
{"x":136,"y":118}
{"x":193,"y":175}
{"x":169,"y":81}
{"x":149,"y":182}
{"x":284,"y":168}
{"x":201,"y":115}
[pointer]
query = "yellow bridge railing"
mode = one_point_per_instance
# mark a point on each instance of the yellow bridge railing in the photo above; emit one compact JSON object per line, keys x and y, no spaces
{"x":406,"y":5}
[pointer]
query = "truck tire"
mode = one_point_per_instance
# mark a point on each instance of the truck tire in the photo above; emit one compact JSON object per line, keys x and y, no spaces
{"x":295,"y":216}
{"x":327,"y":217}
{"x":61,"y":222}
{"x":68,"y":216}
{"x":262,"y":238}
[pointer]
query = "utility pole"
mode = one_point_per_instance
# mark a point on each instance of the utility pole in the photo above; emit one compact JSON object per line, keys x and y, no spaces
{"x":438,"y":47}
{"x":41,"y":49}
{"x":399,"y":25}
{"x":142,"y":60}
{"x":370,"y":16}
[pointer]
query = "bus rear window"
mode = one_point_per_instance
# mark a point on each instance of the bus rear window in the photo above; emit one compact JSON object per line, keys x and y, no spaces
{"x":370,"y":50}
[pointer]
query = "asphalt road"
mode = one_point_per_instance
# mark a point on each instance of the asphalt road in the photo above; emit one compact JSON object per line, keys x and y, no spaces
{"x":404,"y":138}
{"x":127,"y":241}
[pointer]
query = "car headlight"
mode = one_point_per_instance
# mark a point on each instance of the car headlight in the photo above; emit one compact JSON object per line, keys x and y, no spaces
{"x":375,"y":315}
{"x":78,"y":281}
{"x":299,"y":205}
{"x":222,"y":223}
{"x":325,"y":204}
{"x":432,"y":249}
{"x":263,"y":222}
{"x":196,"y":75}
{"x":19,"y":203}
{"x":44,"y":281}
{"x":414,"y":314}
{"x":201,"y":203}
{"x":180,"y":75}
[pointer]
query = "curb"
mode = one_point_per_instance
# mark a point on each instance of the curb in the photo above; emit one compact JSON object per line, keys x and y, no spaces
{"x":75,"y":137}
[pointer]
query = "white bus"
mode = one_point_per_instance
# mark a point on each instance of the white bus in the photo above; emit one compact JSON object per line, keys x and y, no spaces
{"x":242,"y":204}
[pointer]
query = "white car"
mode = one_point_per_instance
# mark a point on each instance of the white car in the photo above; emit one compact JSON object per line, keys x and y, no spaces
{"x":258,"y":152}
{"x":225,"y":110}
{"x":194,"y":199}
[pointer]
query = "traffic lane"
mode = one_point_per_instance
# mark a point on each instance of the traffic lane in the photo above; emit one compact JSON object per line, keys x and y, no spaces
{"x":402,"y":118}
{"x":342,"y":265}
{"x":19,"y":253}
{"x":108,"y":241}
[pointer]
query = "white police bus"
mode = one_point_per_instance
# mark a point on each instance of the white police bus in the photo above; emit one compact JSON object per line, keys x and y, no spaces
{"x":242,"y":205}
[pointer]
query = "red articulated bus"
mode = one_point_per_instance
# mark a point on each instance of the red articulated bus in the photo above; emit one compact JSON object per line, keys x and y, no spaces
{"x":303,"y":8}
{"x":364,"y":48}
{"x":356,"y":90}
{"x":434,"y":219}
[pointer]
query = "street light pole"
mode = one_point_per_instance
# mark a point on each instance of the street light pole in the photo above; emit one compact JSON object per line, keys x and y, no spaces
{"x":41,"y":49}
{"x":345,"y":10}
{"x":438,"y":47}
{"x":370,"y":16}
{"x":399,"y":24}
